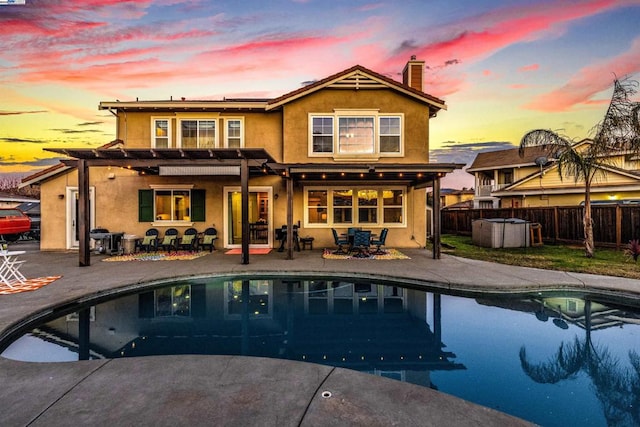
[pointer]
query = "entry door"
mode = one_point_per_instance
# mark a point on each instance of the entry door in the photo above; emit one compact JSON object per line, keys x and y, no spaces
{"x":260,"y":217}
{"x":73,"y":233}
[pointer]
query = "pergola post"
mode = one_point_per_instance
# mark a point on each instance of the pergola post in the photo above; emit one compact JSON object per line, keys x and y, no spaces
{"x":83,"y":214}
{"x":436,"y":218}
{"x":290,"y":218}
{"x":244,"y":188}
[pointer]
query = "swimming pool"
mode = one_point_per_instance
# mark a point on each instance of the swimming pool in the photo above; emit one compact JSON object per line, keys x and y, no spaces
{"x":550,"y":358}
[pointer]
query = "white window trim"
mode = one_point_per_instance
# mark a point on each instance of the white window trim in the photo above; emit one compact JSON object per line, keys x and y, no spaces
{"x":226,"y":130}
{"x":380,"y":207}
{"x":153,"y":130}
{"x":170,"y":222}
{"x":336,"y":115}
{"x":310,"y":122}
{"x":225,"y":215}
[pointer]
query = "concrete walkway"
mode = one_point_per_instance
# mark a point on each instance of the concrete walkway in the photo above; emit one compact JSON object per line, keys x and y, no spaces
{"x":235,"y":390}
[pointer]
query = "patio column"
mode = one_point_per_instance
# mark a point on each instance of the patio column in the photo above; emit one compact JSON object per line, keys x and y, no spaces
{"x":289,"y":217}
{"x":436,"y":218}
{"x":83,"y":214}
{"x":244,"y":184}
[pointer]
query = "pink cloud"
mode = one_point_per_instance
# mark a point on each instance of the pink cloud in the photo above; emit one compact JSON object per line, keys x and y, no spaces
{"x":369,"y":7}
{"x":589,"y":81}
{"x":65,"y":47}
{"x":486,"y":34}
{"x":531,"y":67}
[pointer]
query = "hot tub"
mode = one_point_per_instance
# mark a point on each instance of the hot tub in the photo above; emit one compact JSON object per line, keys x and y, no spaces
{"x":500,"y":233}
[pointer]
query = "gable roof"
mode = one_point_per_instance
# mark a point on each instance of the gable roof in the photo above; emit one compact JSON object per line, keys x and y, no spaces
{"x":356,"y":77}
{"x":510,"y":157}
{"x":359,"y":77}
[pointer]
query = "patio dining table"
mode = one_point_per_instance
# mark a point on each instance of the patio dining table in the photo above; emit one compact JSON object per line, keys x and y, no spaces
{"x":350,"y":237}
{"x":10,"y":268}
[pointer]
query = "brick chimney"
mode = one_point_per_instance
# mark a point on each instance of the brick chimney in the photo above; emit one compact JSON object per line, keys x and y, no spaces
{"x":413,"y":74}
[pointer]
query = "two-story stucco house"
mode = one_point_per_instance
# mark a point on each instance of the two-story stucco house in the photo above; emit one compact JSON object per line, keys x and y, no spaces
{"x":349,"y":150}
{"x":504,"y":179}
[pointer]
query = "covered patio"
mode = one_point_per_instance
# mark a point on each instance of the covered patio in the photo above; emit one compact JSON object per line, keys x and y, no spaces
{"x":245,"y":163}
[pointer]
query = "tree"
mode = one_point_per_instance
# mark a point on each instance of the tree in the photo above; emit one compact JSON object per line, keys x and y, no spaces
{"x":10,"y":184}
{"x":618,"y":131}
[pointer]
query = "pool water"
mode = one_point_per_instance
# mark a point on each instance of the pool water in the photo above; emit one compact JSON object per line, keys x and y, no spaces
{"x":554,"y":359}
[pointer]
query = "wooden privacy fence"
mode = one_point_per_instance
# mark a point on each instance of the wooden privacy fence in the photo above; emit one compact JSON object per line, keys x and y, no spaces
{"x":613,"y":225}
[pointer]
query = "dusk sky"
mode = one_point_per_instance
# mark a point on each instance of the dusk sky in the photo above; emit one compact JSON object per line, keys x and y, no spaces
{"x":503,"y":67}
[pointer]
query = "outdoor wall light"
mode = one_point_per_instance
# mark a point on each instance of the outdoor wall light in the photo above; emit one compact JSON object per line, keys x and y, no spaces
{"x":60,"y":196}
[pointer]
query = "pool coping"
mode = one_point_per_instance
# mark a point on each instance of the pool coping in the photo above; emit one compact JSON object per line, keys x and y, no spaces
{"x":24,"y":383}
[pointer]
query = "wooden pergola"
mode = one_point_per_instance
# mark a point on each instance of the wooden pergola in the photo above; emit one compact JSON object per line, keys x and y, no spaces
{"x":245,"y":162}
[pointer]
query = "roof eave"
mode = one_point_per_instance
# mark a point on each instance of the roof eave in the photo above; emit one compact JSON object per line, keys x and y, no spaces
{"x":181,"y":105}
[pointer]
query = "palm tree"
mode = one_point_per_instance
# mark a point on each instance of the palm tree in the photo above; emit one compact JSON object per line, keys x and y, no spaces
{"x":618,"y":131}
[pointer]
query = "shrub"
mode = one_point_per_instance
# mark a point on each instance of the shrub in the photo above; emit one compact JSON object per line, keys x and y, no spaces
{"x":633,"y":249}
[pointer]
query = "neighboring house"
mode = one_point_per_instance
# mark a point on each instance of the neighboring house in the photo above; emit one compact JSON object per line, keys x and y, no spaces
{"x":349,"y":150}
{"x":504,"y":179}
{"x":467,"y":204}
{"x":450,"y":196}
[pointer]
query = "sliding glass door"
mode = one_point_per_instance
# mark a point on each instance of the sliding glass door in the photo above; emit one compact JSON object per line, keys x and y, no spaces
{"x":260,"y":217}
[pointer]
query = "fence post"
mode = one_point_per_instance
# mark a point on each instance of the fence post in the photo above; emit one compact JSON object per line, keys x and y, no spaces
{"x":618,"y":227}
{"x":555,"y":224}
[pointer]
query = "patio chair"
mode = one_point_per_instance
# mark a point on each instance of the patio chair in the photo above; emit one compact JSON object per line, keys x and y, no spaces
{"x":209,"y":238}
{"x":170,"y":239}
{"x":149,"y":242}
{"x":380,"y":242}
{"x":189,"y":240}
{"x":361,"y":243}
{"x":339,"y":241}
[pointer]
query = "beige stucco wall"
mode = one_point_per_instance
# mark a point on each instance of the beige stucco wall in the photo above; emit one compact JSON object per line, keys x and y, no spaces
{"x":261,"y":130}
{"x":116,"y":198}
{"x":116,"y":202}
{"x":416,"y":121}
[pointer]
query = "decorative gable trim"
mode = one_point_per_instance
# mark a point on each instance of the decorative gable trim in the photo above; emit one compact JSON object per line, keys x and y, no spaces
{"x":359,"y":77}
{"x":357,"y":80}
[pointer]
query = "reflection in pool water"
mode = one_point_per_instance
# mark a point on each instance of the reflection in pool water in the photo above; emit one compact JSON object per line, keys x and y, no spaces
{"x":552,"y":359}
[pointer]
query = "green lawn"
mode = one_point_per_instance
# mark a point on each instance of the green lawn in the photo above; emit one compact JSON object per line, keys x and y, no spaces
{"x":551,"y":257}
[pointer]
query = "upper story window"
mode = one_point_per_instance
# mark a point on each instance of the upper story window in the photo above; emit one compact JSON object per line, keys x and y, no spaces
{"x":161,"y":133}
{"x":507,"y":177}
{"x":233,"y":134}
{"x":322,"y":134}
{"x":193,"y":132}
{"x":390,"y":134}
{"x":197,"y":133}
{"x":355,"y":135}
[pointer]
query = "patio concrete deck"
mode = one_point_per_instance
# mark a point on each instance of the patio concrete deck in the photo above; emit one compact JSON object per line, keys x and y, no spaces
{"x":235,"y":390}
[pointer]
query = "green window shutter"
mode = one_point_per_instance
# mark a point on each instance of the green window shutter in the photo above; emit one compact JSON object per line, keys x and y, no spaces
{"x":145,"y":205}
{"x":197,"y":205}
